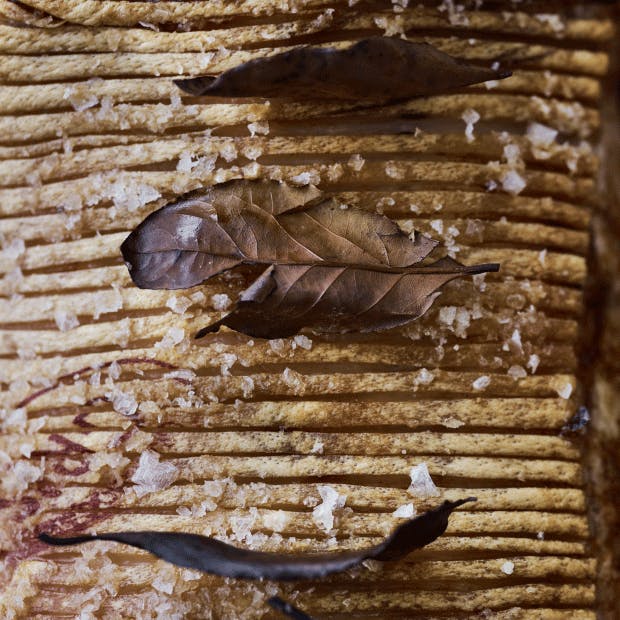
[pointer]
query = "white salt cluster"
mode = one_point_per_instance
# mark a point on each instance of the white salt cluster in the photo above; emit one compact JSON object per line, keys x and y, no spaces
{"x":541,"y":137}
{"x":178,"y":303}
{"x":124,"y":403}
{"x":323,"y":514}
{"x":294,"y":380}
{"x":317,"y":448}
{"x":16,"y":480}
{"x":302,"y":342}
{"x":406,"y":511}
{"x":259,"y":127}
{"x":307,"y":178}
{"x":106,"y":302}
{"x":565,"y":391}
{"x":79,"y":96}
{"x":481,"y":382}
{"x":13,"y":249}
{"x":228,"y":151}
{"x":456,"y":15}
{"x":220,"y":301}
{"x":356,"y":162}
{"x":508,"y":568}
{"x":394,"y":171}
{"x":553,"y":20}
{"x":65,"y":320}
{"x":422,"y":484}
{"x":172,"y":337}
{"x":423,"y":377}
{"x":533,"y":362}
{"x":128,"y":193}
{"x":517,"y":372}
{"x":241,"y":525}
{"x":471,"y":117}
{"x":152,"y":475}
{"x":392,"y":25}
{"x":185,"y":163}
{"x":512,"y":182}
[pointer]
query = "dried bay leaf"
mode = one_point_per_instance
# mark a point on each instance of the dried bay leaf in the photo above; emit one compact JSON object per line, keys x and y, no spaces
{"x":330,"y":268}
{"x":377,"y":68}
{"x":259,"y":222}
{"x":215,"y":557}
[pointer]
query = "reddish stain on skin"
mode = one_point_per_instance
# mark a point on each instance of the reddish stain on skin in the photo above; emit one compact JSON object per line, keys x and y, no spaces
{"x":88,"y":369}
{"x":60,"y":468}
{"x":69,"y":446}
{"x":80,"y":420}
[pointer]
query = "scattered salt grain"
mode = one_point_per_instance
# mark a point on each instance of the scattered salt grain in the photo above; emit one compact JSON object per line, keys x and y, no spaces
{"x":356,"y":162}
{"x":508,"y":568}
{"x":512,"y":154}
{"x":13,"y":249}
{"x":178,"y":303}
{"x":481,"y":382}
{"x":423,"y":377}
{"x":422,"y":484}
{"x":228,"y":151}
{"x":317,"y":448}
{"x":532,"y":362}
{"x":517,"y":372}
{"x":406,"y":511}
{"x":106,"y":302}
{"x":171,"y":338}
{"x":394,"y":171}
{"x":65,"y":320}
{"x":301,"y":341}
{"x":541,"y":135}
{"x":185,"y":163}
{"x":124,"y":403}
{"x":471,"y":117}
{"x":565,"y":391}
{"x":306,"y":178}
{"x":513,"y":183}
{"x":259,"y":127}
{"x":151,"y":475}
{"x":542,"y":257}
{"x":220,"y":301}
{"x":323,"y":515}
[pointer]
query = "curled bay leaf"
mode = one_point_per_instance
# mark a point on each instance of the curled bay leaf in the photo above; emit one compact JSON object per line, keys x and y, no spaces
{"x":287,"y":298}
{"x":215,"y":557}
{"x":377,"y":68}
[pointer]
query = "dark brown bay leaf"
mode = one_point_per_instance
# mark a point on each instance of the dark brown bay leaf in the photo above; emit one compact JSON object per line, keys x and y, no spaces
{"x":287,"y":298}
{"x":377,"y":68}
{"x":213,"y":556}
{"x":260,"y":222}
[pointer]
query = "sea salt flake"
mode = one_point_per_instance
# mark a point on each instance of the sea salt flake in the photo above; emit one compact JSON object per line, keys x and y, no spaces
{"x":124,"y":403}
{"x":220,"y":301}
{"x":259,"y":127}
{"x":422,"y":484}
{"x":172,"y":337}
{"x":13,"y":249}
{"x":471,"y":117}
{"x":406,"y":511}
{"x":508,"y":568}
{"x":302,"y":341}
{"x":323,"y":514}
{"x":356,"y":162}
{"x":178,"y":303}
{"x":106,"y":302}
{"x":517,"y":372}
{"x":424,"y":377}
{"x":317,"y":448}
{"x":65,"y":320}
{"x":307,"y":178}
{"x":152,"y":475}
{"x":512,"y":154}
{"x":565,"y":391}
{"x":533,"y":362}
{"x":481,"y":382}
{"x":394,"y":171}
{"x":541,"y":135}
{"x":513,"y":183}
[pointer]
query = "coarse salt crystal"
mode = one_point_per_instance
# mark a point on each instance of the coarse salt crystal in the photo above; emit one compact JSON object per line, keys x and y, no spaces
{"x":151,"y":475}
{"x":542,"y":257}
{"x":220,"y":301}
{"x":317,"y":448}
{"x":65,"y":320}
{"x":508,"y":568}
{"x":517,"y":372}
{"x":306,"y":178}
{"x":394,"y":171}
{"x":512,"y":154}
{"x":471,"y":117}
{"x":228,"y":151}
{"x":422,"y":484}
{"x":259,"y":127}
{"x":124,"y":403}
{"x":356,"y":162}
{"x":171,"y":338}
{"x":106,"y":302}
{"x":541,"y":135}
{"x":424,"y":377}
{"x":302,"y":341}
{"x":447,"y":314}
{"x":178,"y":303}
{"x":533,"y":362}
{"x":14,"y":248}
{"x":565,"y":391}
{"x":481,"y":382}
{"x":323,"y":515}
{"x":513,"y":183}
{"x":406,"y":511}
